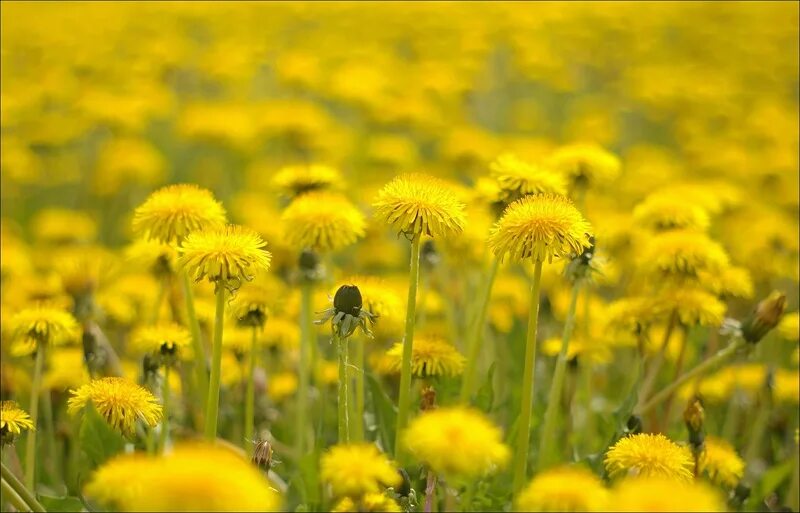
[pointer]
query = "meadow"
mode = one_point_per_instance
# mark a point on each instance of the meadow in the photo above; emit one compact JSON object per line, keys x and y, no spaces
{"x":401,"y":256}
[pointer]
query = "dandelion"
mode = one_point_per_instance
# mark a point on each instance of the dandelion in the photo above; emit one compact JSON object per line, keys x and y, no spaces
{"x":720,"y":462}
{"x":649,"y":455}
{"x":518,"y":178}
{"x":369,"y":502}
{"x":432,"y":436}
{"x":172,"y":212}
{"x":119,"y":401}
{"x":693,"y":306}
{"x":585,"y":164}
{"x":193,"y":477}
{"x":356,"y":470}
{"x":682,"y":255}
{"x":789,"y":327}
{"x":663,"y":211}
{"x":540,"y":227}
{"x":62,"y":227}
{"x":322,"y":221}
{"x":664,"y":494}
{"x":296,"y":180}
{"x":167,"y":341}
{"x":431,"y":356}
{"x":565,"y":488}
{"x":13,"y":421}
{"x":281,"y":386}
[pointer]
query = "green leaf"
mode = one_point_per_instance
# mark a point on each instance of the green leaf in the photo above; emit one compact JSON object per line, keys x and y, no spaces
{"x":59,"y":504}
{"x":99,"y":441}
{"x":769,"y":482}
{"x":385,"y":412}
{"x":485,"y":398}
{"x":309,"y":480}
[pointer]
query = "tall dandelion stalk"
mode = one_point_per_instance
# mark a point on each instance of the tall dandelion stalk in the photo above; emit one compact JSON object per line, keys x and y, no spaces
{"x":416,"y":204}
{"x":226,"y":257}
{"x":540,"y":227}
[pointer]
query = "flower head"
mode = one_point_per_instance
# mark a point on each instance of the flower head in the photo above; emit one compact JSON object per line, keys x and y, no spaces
{"x":541,"y":227}
{"x":356,"y":470}
{"x":249,"y":306}
{"x":322,"y":221}
{"x":518,"y":178}
{"x":172,"y":212}
{"x":165,"y":340}
{"x":281,"y":385}
{"x":432,"y":436}
{"x":66,"y":370}
{"x":682,"y":254}
{"x":369,"y":502}
{"x":415,"y":204}
{"x":382,"y":299}
{"x":789,"y":327}
{"x":225,"y":256}
{"x":430,"y":356}
{"x":13,"y":421}
{"x":347,"y":313}
{"x":693,"y":305}
{"x":567,"y":488}
{"x":585,"y":164}
{"x":180,"y":481}
{"x":663,"y":211}
{"x":662,"y":494}
{"x":646,"y":454}
{"x":41,"y":324}
{"x":119,"y":401}
{"x":720,"y":462}
{"x":60,"y":226}
{"x":295,"y":180}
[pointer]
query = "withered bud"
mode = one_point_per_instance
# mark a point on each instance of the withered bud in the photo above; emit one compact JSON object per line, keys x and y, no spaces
{"x":262,"y":455}
{"x":765,"y":316}
{"x":348,"y":300}
{"x":428,"y":401}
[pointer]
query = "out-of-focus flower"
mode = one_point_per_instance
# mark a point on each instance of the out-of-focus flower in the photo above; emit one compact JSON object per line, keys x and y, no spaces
{"x":369,"y":502}
{"x":564,"y":489}
{"x":585,"y":164}
{"x":789,"y":327}
{"x":356,"y":470}
{"x":13,"y":421}
{"x":127,"y":161}
{"x":720,"y":462}
{"x":660,"y":211}
{"x":662,"y":494}
{"x":172,"y":212}
{"x":281,"y":385}
{"x":518,"y":178}
{"x":119,"y":401}
{"x":681,"y":254}
{"x":430,"y":356}
{"x":66,"y":370}
{"x":647,"y":455}
{"x":322,"y":221}
{"x":41,"y":324}
{"x":165,"y":340}
{"x":60,"y":226}
{"x":292,"y":181}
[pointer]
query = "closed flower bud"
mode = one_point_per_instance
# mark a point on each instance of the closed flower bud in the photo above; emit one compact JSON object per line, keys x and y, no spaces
{"x":766,"y":316}
{"x":694,"y":417}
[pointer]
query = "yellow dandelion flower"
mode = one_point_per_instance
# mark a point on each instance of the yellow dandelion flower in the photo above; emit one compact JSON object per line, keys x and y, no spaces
{"x":180,"y":481}
{"x":720,"y":462}
{"x":41,"y":324}
{"x":415,"y":204}
{"x":119,"y":401}
{"x":632,"y":314}
{"x":228,"y":255}
{"x":249,"y":306}
{"x":172,"y":212}
{"x":430,"y":356}
{"x":694,"y":306}
{"x":789,"y":327}
{"x":369,"y":502}
{"x":281,"y":385}
{"x":152,"y":256}
{"x":785,"y":387}
{"x":295,"y":180}
{"x":432,"y":436}
{"x":662,"y":211}
{"x":323,"y":221}
{"x":281,"y":333}
{"x":166,"y":339}
{"x":66,"y":370}
{"x":60,"y":226}
{"x":585,"y":164}
{"x":730,"y":281}
{"x":662,"y":494}
{"x":568,"y":488}
{"x":84,"y":269}
{"x":328,"y":372}
{"x":355,"y":470}
{"x":647,"y":454}
{"x":518,"y":178}
{"x":13,"y":420}
{"x":540,"y":227}
{"x":682,"y":254}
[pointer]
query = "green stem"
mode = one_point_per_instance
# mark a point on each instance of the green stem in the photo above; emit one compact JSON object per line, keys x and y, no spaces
{"x":165,"y":407}
{"x":344,"y":421}
{"x":709,"y":364}
{"x":50,"y":436}
{"x":430,"y":491}
{"x":652,"y":371}
{"x":250,"y":397}
{"x":30,"y":448}
{"x":760,"y":423}
{"x":17,"y":486}
{"x":475,"y":333}
{"x":200,"y":357}
{"x":303,"y":368}
{"x":466,"y":499}
{"x":404,"y":401}
{"x":524,"y":424}
{"x":12,"y":497}
{"x":358,"y":423}
{"x":212,"y":405}
{"x":547,"y":441}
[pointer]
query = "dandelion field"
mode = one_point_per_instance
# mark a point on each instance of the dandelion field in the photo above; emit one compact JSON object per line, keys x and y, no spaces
{"x":360,"y":256}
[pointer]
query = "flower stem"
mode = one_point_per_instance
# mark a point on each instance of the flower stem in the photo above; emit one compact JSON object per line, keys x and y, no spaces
{"x":250,"y":397}
{"x":165,"y":407}
{"x":652,"y":371}
{"x":475,"y":333}
{"x":430,"y":491}
{"x":13,"y":498}
{"x":357,"y":433}
{"x":200,"y":357}
{"x":709,"y":364}
{"x":524,"y":424}
{"x":212,"y":405}
{"x":408,"y":340}
{"x":303,"y":367}
{"x":30,"y":448}
{"x":344,"y":420}
{"x":17,"y":486}
{"x":547,"y":441}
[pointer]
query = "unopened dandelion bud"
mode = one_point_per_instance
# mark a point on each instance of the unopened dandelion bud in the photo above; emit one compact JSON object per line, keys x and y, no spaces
{"x":581,"y":265}
{"x":694,"y":417}
{"x":347,"y":313}
{"x":634,"y":425}
{"x":766,"y":316}
{"x":262,"y":455}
